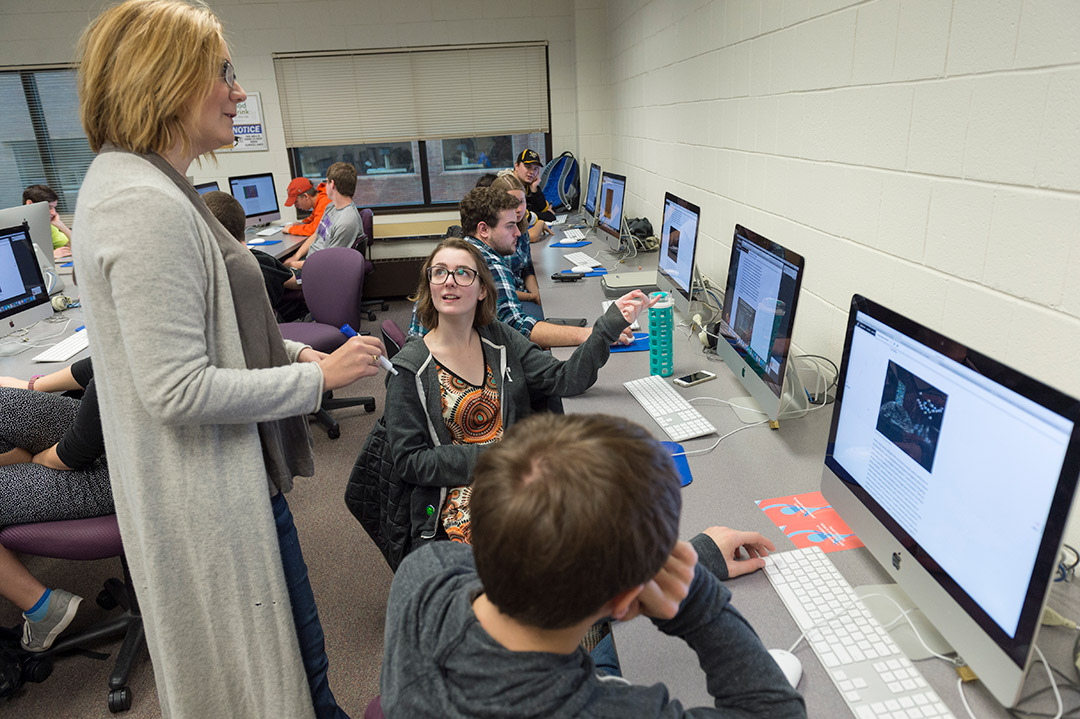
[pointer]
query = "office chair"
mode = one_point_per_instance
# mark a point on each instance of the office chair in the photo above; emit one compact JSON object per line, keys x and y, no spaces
{"x":368,"y":222}
{"x":393,"y":337}
{"x":81,"y":540}
{"x":333,"y":285}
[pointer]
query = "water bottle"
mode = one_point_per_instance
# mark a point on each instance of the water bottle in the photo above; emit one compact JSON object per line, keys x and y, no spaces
{"x":661,"y":320}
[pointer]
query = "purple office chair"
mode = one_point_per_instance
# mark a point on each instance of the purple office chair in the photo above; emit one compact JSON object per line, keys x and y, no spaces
{"x":393,"y":337}
{"x":364,"y":247}
{"x":82,"y":540}
{"x":333,"y":286}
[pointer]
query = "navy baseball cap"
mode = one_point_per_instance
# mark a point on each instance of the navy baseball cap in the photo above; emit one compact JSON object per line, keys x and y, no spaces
{"x":529,"y":157}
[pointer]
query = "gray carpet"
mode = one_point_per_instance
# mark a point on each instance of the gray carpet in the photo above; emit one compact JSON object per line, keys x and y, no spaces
{"x":348,"y":574}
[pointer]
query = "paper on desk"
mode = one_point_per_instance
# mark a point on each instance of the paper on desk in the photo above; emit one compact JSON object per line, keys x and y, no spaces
{"x":640,"y":344}
{"x":807,"y":520}
{"x":681,"y":464}
{"x":579,"y":243}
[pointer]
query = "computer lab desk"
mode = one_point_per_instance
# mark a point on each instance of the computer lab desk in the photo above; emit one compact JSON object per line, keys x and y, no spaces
{"x":754,"y":464}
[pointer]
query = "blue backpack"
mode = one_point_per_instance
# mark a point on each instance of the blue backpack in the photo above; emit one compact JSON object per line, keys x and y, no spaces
{"x":559,"y":183}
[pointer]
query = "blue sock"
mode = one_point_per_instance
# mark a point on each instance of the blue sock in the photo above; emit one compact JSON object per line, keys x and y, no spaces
{"x":37,"y":612}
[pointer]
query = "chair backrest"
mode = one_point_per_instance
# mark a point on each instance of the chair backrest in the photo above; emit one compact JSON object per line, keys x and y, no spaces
{"x":367,"y":218}
{"x":79,"y":539}
{"x":334,"y":285}
{"x":393,"y":337}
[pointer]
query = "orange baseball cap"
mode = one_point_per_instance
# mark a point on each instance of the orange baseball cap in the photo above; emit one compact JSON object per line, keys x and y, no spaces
{"x":298,"y":185}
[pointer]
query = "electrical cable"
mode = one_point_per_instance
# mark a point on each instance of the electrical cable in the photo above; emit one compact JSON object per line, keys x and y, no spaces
{"x":717,"y":442}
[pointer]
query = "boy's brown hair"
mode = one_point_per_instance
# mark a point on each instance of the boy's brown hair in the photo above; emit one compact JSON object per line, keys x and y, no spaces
{"x":483,"y":204}
{"x":228,"y":211}
{"x":343,"y":175}
{"x":569,"y":511}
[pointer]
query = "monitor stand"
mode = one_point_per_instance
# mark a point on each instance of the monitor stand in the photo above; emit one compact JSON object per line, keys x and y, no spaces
{"x":795,"y":403}
{"x":886,"y":613}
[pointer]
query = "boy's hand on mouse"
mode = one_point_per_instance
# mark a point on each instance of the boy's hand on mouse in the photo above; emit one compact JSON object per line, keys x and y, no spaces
{"x":663,"y":594}
{"x":753,"y":545}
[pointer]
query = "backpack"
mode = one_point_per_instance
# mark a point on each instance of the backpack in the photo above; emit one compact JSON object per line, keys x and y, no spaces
{"x":560,"y":183}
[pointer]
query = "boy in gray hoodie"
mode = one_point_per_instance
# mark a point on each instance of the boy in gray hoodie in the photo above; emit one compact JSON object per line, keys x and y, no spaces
{"x":574,"y":519}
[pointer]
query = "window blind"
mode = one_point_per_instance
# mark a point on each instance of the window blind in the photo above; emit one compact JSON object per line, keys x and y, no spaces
{"x":362,"y":97}
{"x":41,"y":138}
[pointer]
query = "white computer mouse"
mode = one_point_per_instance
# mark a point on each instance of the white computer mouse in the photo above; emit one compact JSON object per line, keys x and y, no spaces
{"x":581,"y":268}
{"x":789,"y":664}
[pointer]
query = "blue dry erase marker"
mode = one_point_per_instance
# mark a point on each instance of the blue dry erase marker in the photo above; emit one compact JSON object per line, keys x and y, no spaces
{"x":383,"y":362}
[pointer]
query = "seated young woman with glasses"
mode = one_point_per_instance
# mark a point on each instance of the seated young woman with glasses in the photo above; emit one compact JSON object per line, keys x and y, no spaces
{"x":466,"y":381}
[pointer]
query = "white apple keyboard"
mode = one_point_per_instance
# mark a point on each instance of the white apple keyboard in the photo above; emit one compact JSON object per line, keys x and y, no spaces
{"x":572,"y":235}
{"x":580,"y":258}
{"x":269,"y":231}
{"x":677,"y":417}
{"x":66,"y":348}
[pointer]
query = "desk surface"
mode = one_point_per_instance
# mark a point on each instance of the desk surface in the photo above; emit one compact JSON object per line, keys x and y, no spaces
{"x":758,"y":463}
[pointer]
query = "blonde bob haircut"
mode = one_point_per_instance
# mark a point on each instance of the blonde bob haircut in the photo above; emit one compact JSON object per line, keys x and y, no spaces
{"x":144,"y":66}
{"x":485,"y":308}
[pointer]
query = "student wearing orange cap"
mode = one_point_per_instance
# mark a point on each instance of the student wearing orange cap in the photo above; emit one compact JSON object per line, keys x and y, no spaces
{"x":307,"y":198}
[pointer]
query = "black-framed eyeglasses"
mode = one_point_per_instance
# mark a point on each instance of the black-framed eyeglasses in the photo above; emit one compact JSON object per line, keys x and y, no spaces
{"x":228,"y":73}
{"x":463,"y":276}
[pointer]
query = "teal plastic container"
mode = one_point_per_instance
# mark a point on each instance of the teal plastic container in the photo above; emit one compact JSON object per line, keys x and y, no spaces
{"x":661,"y":321}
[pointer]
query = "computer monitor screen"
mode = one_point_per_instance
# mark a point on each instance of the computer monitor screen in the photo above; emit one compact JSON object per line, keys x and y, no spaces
{"x":23,"y":297}
{"x":957,"y":473}
{"x":256,"y":195}
{"x":38,"y":218}
{"x":609,"y":203}
{"x":678,"y":245}
{"x":203,"y":187}
{"x":758,"y":315}
{"x":592,"y":190}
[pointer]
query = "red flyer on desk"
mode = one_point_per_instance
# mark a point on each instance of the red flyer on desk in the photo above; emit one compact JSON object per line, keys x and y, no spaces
{"x":807,"y":519}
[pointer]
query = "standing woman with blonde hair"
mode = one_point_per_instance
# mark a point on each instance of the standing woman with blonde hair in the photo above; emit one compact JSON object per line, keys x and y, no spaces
{"x":202,"y":404}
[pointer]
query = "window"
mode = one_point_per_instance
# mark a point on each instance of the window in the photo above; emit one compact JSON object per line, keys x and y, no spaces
{"x":418,"y":123}
{"x":41,"y":138}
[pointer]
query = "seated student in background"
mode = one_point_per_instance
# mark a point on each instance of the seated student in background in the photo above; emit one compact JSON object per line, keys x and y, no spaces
{"x":535,"y":227}
{"x":527,"y":168}
{"x":574,"y":519}
{"x":52,"y":467}
{"x":468,"y":380}
{"x":521,"y":264}
{"x":61,"y":235}
{"x":489,"y":221}
{"x":277,"y":277}
{"x":340,"y":224}
{"x":307,"y":198}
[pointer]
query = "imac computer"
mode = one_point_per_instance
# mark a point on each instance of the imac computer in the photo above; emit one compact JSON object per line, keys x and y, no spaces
{"x":24,"y":299}
{"x":203,"y":187}
{"x":957,"y":473}
{"x":609,"y":207}
{"x":754,"y":331}
{"x":37,"y":218}
{"x":256,"y":195}
{"x":678,"y":245}
{"x":591,"y":192}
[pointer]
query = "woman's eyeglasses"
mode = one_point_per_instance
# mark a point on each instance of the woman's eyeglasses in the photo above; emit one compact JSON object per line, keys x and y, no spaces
{"x":463,"y":276}
{"x":228,"y":73}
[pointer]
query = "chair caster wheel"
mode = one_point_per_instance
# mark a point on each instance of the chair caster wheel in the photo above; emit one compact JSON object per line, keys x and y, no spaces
{"x":385,"y":307}
{"x":106,"y":600}
{"x":371,"y":316}
{"x":333,"y":432}
{"x":369,"y":406}
{"x":120,"y":700}
{"x":37,"y":670}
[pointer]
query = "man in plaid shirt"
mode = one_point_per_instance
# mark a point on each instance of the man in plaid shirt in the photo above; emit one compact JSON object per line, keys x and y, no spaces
{"x":489,"y":220}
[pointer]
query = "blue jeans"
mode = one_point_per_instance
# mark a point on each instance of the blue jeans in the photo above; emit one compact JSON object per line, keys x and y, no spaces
{"x":532,"y":310}
{"x":305,"y":613}
{"x":604,"y":657}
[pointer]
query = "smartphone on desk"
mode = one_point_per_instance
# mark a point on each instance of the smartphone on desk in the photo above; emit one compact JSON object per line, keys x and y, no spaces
{"x":689,"y":380}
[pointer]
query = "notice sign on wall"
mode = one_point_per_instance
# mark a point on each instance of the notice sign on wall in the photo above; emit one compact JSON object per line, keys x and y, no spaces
{"x":249,"y":134}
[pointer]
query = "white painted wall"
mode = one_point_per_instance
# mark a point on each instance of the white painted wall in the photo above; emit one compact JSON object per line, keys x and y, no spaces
{"x":45,"y":31}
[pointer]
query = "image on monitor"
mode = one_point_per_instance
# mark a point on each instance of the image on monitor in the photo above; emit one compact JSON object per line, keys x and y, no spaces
{"x":758,"y":315}
{"x":24,"y":299}
{"x":257,"y":196}
{"x":678,"y":247}
{"x":592,"y":190}
{"x":203,"y":187}
{"x":957,"y":472}
{"x":610,"y":204}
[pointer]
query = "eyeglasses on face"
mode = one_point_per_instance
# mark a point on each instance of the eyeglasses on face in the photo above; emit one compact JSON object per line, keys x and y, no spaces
{"x":463,"y":276}
{"x":228,"y":73}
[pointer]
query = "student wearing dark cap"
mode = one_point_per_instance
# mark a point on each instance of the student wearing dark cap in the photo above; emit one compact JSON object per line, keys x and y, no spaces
{"x":527,"y":168}
{"x":307,"y":198}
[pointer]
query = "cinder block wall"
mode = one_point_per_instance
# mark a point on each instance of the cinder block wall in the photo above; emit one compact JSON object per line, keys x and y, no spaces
{"x":923,"y":152}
